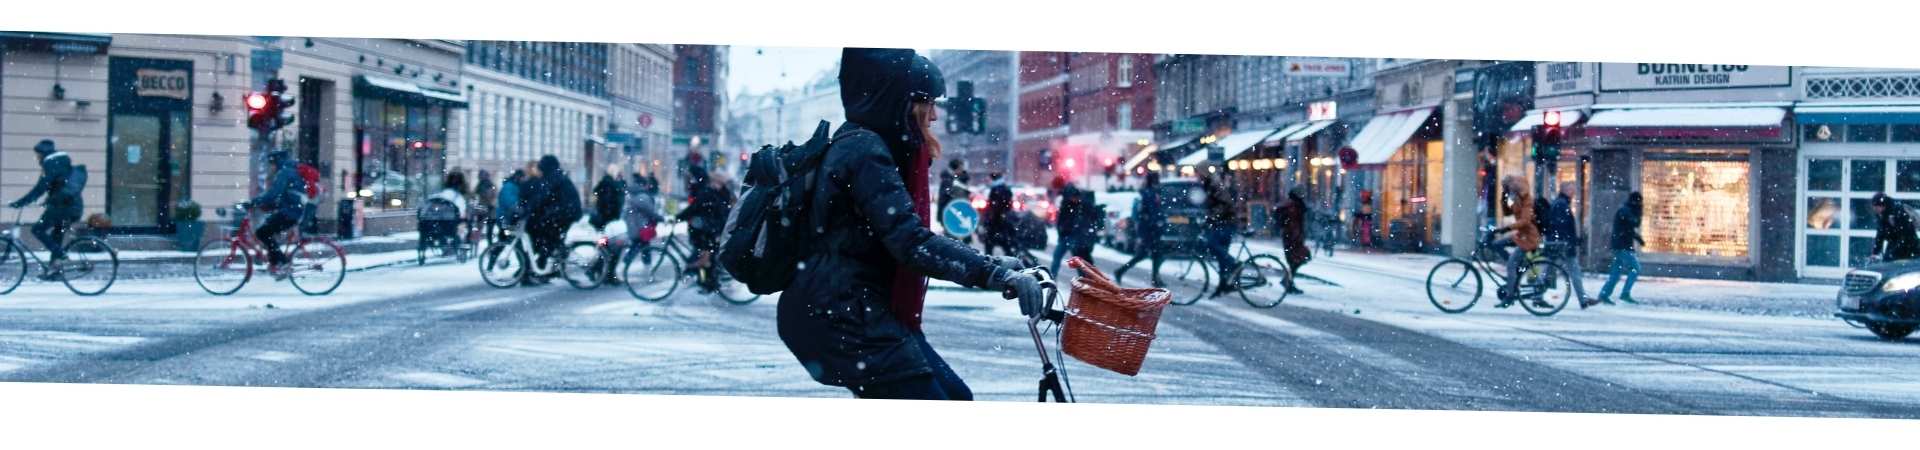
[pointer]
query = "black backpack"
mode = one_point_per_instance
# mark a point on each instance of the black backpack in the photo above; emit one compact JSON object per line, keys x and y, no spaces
{"x":763,"y":242}
{"x":76,"y":182}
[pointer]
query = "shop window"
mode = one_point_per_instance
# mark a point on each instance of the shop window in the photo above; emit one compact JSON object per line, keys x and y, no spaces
{"x":1868,"y":175}
{"x":1906,"y":133}
{"x":1867,"y":133}
{"x":1863,"y":217}
{"x":1823,"y":251}
{"x":1820,"y":132}
{"x":1697,"y":207}
{"x":1858,"y":249}
{"x":1907,"y":176}
{"x":1823,"y":175}
{"x":1823,"y":213}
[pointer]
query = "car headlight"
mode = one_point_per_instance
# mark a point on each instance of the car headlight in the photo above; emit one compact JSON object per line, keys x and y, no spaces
{"x":1902,"y":283}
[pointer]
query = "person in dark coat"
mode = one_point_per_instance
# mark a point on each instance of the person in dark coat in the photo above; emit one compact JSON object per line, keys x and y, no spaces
{"x":1145,"y":227}
{"x":282,"y":201}
{"x":1293,"y":234}
{"x":552,"y":206}
{"x":1223,"y":221}
{"x":1896,"y":240}
{"x":1564,"y":241}
{"x":708,"y":203}
{"x":852,"y":313}
{"x":485,"y":195}
{"x":1626,"y":233}
{"x":999,"y":217}
{"x":1075,"y":225}
{"x":608,"y":196}
{"x":61,"y":209}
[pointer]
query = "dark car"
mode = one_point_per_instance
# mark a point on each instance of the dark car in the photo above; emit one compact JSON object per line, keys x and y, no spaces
{"x":1184,"y":203}
{"x":1884,"y":297}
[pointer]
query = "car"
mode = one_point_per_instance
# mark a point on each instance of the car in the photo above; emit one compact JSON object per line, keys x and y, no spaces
{"x":1034,"y":201}
{"x":1882,"y":297}
{"x":1184,"y":203}
{"x":1119,"y":206}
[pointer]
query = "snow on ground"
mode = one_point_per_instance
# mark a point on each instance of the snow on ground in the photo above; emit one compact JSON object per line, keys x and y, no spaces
{"x":367,"y":279}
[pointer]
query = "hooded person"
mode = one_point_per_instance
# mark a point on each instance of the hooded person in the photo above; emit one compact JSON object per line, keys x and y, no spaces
{"x":284,"y":202}
{"x":552,"y":206}
{"x":1896,"y":238}
{"x":1293,"y":233}
{"x":608,"y":197}
{"x":1626,"y":261}
{"x":851,"y":316}
{"x":62,"y":209}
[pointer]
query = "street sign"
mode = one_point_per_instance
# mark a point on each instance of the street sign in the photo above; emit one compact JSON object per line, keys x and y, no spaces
{"x":959,"y":218}
{"x":1327,"y":110}
{"x":646,"y":120}
{"x":1189,"y":126}
{"x":1317,"y":67}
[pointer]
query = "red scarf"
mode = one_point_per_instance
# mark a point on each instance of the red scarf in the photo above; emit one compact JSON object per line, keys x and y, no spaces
{"x":909,"y":285}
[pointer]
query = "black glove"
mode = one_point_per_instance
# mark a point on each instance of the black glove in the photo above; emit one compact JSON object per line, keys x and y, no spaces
{"x":1019,"y":286}
{"x":1008,"y":262}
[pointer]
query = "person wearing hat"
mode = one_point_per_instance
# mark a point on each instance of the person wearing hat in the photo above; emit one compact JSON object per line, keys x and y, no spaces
{"x":1896,"y":240}
{"x":284,"y":204}
{"x":62,"y":209}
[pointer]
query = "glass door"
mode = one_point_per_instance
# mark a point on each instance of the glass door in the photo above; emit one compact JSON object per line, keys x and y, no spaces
{"x":135,"y":183}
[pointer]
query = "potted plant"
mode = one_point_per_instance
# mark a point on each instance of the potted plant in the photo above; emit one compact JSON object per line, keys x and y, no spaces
{"x":187,"y":227}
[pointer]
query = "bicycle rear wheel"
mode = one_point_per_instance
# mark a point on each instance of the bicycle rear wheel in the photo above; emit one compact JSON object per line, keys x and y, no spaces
{"x":1188,"y":279}
{"x":731,"y":290}
{"x":13,"y":266}
{"x":1263,"y":281}
{"x":222,"y":267}
{"x":317,"y":267}
{"x":652,"y":275}
{"x":91,"y":266}
{"x":502,"y":264}
{"x":1454,"y":286}
{"x":1544,"y":289}
{"x":582,"y":267}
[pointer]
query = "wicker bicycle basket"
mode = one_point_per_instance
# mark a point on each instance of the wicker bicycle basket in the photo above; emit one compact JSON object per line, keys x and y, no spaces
{"x":1109,"y":326}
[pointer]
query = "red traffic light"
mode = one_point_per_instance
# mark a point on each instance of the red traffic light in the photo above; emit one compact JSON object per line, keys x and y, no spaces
{"x":1551,"y":118}
{"x":256,"y":101}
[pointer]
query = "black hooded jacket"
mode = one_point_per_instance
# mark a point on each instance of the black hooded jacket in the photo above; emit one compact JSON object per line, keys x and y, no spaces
{"x":836,"y":317}
{"x":553,"y":202}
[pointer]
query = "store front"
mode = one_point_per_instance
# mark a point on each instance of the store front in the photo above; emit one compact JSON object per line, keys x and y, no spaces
{"x":400,"y":142}
{"x":149,"y":142}
{"x":1847,"y":154}
{"x":1400,"y":158}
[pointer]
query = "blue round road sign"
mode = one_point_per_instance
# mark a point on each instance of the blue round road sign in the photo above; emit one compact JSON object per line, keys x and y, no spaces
{"x":959,"y":218}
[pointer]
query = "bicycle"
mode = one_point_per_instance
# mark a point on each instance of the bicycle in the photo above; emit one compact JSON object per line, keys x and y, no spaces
{"x":83,"y":263}
{"x":663,"y":265}
{"x":506,"y":262}
{"x":1257,"y":277}
{"x":1534,"y":291}
{"x":315,"y":265}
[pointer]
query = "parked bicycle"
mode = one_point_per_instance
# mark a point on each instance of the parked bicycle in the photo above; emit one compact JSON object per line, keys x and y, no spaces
{"x":1455,"y":285}
{"x":654,"y":273}
{"x":89,"y":269}
{"x":1261,"y":279}
{"x":507,"y":261}
{"x":315,"y":264}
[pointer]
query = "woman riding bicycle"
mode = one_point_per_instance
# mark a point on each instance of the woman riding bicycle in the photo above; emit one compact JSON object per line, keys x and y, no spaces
{"x":285,"y":203}
{"x":1526,"y":231}
{"x":852,"y":315}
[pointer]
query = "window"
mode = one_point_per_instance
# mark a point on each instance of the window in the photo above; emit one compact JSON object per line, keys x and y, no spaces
{"x":1823,"y":175}
{"x":1867,"y":133}
{"x":1123,"y":116}
{"x":1123,"y":76}
{"x":1907,"y":176}
{"x":1869,"y":175}
{"x":1906,"y":133}
{"x":1697,"y":205}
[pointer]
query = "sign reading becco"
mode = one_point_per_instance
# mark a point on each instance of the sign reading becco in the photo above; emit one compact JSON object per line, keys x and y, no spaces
{"x":1643,"y":76}
{"x":162,"y":83}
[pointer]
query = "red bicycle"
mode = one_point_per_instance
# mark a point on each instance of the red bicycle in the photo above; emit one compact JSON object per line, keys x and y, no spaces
{"x":315,"y":265}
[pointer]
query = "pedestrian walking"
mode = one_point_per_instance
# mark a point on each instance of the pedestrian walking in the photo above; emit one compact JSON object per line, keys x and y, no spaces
{"x":999,"y":218}
{"x":1075,"y":224}
{"x":1145,"y":227}
{"x":1626,"y":259}
{"x":1292,"y":219}
{"x":1896,"y":240}
{"x":1223,"y":220}
{"x":1564,"y":241}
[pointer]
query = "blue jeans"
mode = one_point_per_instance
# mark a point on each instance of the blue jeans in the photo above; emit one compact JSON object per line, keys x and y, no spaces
{"x":1624,"y":261}
{"x":941,"y":384}
{"x":1084,"y":250}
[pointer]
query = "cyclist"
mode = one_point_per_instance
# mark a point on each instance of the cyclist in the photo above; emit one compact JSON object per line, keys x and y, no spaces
{"x":62,"y":207}
{"x":642,"y":211}
{"x":608,"y":196}
{"x":852,"y":316}
{"x":507,"y":206}
{"x":1222,"y":220}
{"x":708,"y":202}
{"x":552,"y":206}
{"x":1526,"y":234}
{"x":284,"y":202}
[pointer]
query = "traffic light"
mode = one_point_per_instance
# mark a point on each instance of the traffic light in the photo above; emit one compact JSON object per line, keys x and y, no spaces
{"x":979,"y":114}
{"x":960,"y":117}
{"x":256,"y":103}
{"x":271,"y":110}
{"x":1547,"y":137}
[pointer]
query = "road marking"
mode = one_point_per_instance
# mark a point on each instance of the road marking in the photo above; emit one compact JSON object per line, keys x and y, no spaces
{"x":274,"y":356}
{"x":474,"y":304}
{"x":437,"y":379}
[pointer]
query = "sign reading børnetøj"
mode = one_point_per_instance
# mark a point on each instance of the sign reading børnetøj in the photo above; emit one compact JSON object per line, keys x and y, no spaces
{"x":1643,"y":76}
{"x":1556,"y":78}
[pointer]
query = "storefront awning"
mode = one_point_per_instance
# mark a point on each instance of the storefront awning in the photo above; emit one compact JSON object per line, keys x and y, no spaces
{"x":62,"y":42}
{"x":1688,"y":118}
{"x":1230,"y":146}
{"x":1384,"y":134}
{"x":403,"y":90}
{"x":1845,"y":114}
{"x":1309,"y":130}
{"x":1533,"y":118}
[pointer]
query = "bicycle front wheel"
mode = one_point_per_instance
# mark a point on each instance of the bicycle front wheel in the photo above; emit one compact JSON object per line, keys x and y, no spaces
{"x":1544,"y":289}
{"x":222,"y":267}
{"x":317,"y":267}
{"x":13,"y":266}
{"x":1188,"y":279}
{"x":91,"y":266}
{"x":652,"y":274}
{"x":501,"y":264}
{"x":584,"y":265}
{"x":1263,"y":281}
{"x":1453,"y":286}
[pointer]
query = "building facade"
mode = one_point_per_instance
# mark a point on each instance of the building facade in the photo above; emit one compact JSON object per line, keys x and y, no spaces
{"x":699,"y":105}
{"x":640,"y":124}
{"x":531,"y":99}
{"x":994,"y":76}
{"x":1859,"y":134}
